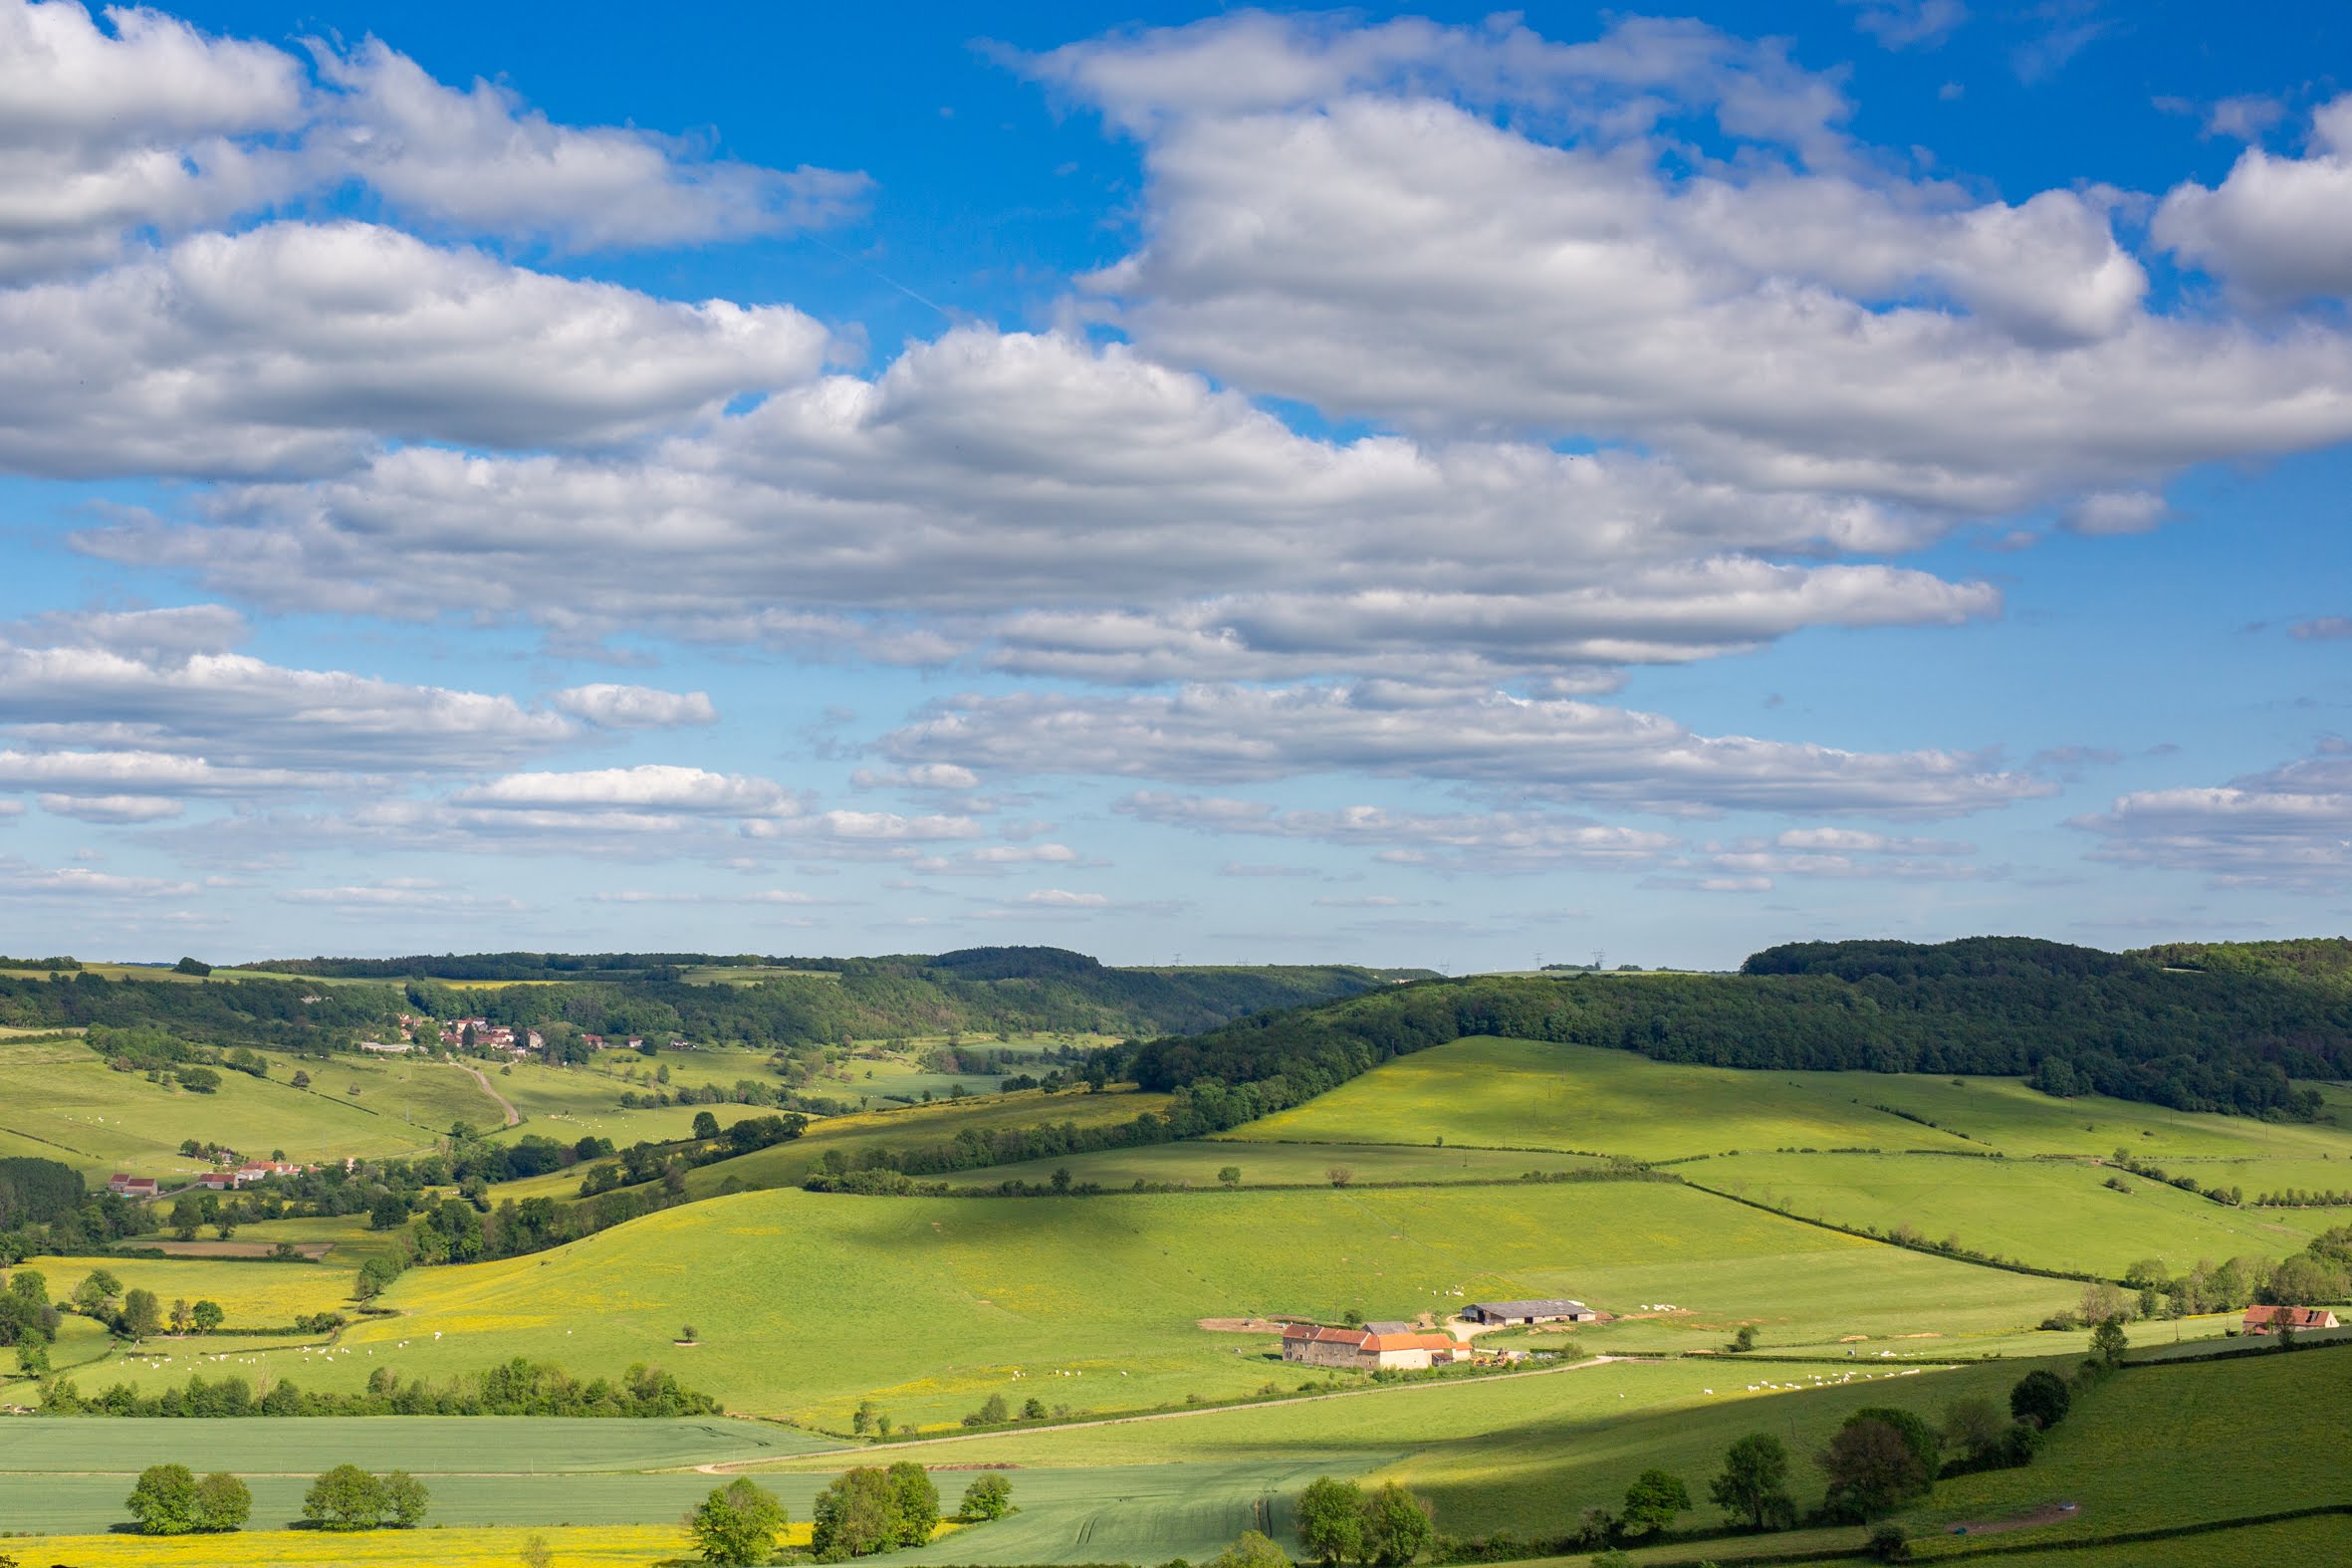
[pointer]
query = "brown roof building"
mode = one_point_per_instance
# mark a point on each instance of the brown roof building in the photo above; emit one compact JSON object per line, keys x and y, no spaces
{"x":2262,"y":1319}
{"x":1363,"y":1350}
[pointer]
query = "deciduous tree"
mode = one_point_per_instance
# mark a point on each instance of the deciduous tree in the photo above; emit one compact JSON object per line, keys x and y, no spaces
{"x":737,"y":1523}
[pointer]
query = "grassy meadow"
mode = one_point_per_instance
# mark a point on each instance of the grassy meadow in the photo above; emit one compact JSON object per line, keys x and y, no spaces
{"x":63,"y":1103}
{"x":2047,"y":1213}
{"x":1281,"y":1165}
{"x":806,"y":1303}
{"x":1532,"y":1094}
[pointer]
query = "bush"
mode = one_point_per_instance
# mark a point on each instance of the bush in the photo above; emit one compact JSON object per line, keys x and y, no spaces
{"x":1890,"y":1544}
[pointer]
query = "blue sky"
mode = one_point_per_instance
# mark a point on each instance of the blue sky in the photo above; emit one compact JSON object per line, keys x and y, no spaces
{"x":1396,"y":485}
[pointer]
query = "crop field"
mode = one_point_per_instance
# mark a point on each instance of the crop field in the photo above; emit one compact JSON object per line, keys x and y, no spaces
{"x":1282,"y":1165}
{"x":2047,"y":1213}
{"x":806,"y":1302}
{"x":609,"y":1547}
{"x":1529,"y":1094}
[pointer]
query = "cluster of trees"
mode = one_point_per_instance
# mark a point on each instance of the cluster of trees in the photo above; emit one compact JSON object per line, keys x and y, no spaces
{"x":264,"y":1015}
{"x":1340,"y":1522}
{"x":168,"y":1499}
{"x":520,"y":1387}
{"x":868,"y":1510}
{"x":28,"y":1319}
{"x":2073,"y":1019}
{"x":348,"y":1498}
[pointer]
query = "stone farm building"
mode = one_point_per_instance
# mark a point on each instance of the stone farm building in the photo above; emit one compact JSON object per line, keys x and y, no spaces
{"x":2262,"y":1319}
{"x":1552,"y":1309}
{"x":1368,"y":1349}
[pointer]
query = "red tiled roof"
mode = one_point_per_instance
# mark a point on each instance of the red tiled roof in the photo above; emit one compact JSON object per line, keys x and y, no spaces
{"x":2293,"y":1316}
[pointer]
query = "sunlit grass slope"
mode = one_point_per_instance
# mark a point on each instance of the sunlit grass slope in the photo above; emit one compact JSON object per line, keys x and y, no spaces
{"x":2049,"y":1213}
{"x":807,"y":1302}
{"x":1539,"y":1095}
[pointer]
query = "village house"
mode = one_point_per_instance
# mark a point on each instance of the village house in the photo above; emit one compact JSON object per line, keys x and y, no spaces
{"x":1368,"y":1349}
{"x":132,"y":1186}
{"x":217,"y":1180}
{"x":1550,"y":1309}
{"x":2262,"y":1319}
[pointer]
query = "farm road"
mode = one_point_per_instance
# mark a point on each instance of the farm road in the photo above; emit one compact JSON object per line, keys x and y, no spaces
{"x":731,"y":1466}
{"x":514,"y":1118}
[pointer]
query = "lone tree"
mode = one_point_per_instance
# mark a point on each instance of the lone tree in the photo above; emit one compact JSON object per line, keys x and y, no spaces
{"x":1230,"y":1175}
{"x":2109,"y":1342}
{"x":223,"y":1502}
{"x":163,"y":1503}
{"x":918,"y":1502}
{"x":2042,"y":1398}
{"x":1653,"y":1500}
{"x":855,"y":1514}
{"x":1396,"y":1525}
{"x":989,"y":1498}
{"x":1872,"y":1468}
{"x":705,"y":1125}
{"x":1754,"y":1486}
{"x":1331,"y":1521}
{"x":404,"y":1501}
{"x":346,"y":1498}
{"x":142,"y":1315}
{"x":737,"y":1523}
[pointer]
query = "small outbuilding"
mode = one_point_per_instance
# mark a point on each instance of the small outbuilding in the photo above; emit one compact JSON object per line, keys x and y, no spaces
{"x":1550,"y":1310}
{"x":2262,"y":1319}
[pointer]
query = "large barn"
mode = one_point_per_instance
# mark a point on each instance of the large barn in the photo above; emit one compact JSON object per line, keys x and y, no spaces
{"x":1550,"y":1309}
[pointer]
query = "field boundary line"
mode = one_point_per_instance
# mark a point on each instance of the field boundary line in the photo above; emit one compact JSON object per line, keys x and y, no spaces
{"x":1928,"y":1248}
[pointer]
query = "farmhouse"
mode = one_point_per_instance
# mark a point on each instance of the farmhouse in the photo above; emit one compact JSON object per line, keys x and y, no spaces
{"x":1368,"y":1349}
{"x":1550,"y":1309}
{"x":2262,"y":1319}
{"x":132,"y":1186}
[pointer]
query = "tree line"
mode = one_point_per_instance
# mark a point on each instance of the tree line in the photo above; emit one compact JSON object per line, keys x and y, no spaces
{"x":520,"y":1387}
{"x":2072,"y":1019}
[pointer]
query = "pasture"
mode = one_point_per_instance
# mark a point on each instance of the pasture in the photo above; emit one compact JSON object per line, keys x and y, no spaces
{"x":2175,"y":1445}
{"x":1093,"y":1304}
{"x":66,"y":1104}
{"x":2047,"y":1213}
{"x":1531,"y":1094}
{"x":1279,"y":1165}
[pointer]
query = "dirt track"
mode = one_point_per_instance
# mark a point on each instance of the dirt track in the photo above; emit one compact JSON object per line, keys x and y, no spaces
{"x":514,"y":1118}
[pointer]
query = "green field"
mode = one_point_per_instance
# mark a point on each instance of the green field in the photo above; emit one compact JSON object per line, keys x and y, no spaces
{"x":252,"y":1294}
{"x":2047,"y":1213}
{"x":2175,"y":1445}
{"x":1281,"y":1165}
{"x":806,"y":1302}
{"x":1529,"y":1094}
{"x":63,"y":1103}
